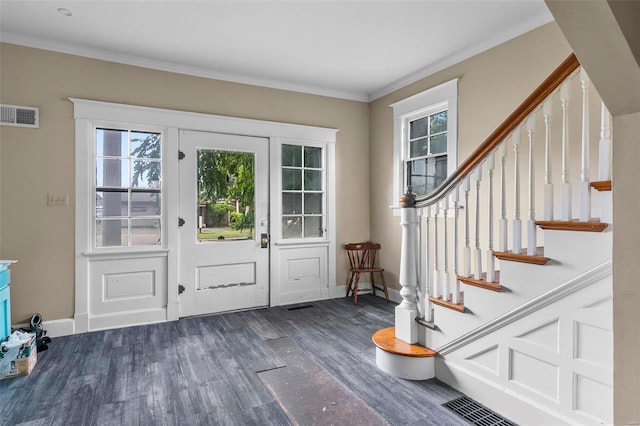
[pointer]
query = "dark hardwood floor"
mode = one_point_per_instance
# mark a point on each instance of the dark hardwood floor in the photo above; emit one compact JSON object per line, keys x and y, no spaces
{"x":218,"y":370}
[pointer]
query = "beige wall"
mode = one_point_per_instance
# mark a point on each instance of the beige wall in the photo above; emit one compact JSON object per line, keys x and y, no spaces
{"x":491,"y":85}
{"x":35,"y":162}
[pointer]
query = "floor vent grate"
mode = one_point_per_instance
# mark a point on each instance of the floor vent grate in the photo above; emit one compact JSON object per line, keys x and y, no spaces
{"x":296,"y":307}
{"x":476,"y":413}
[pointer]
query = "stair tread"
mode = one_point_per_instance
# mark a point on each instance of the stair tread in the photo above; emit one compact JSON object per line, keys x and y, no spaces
{"x":537,"y":259}
{"x":601,"y":185}
{"x":483,"y":283}
{"x":594,"y":225}
{"x":386,"y":340}
{"x":447,"y":304}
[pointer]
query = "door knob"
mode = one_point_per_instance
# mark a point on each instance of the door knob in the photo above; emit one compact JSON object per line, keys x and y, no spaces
{"x":264,"y":240}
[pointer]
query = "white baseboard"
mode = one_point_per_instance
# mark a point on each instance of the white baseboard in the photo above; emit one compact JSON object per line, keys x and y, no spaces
{"x":127,"y":319}
{"x":54,"y":328}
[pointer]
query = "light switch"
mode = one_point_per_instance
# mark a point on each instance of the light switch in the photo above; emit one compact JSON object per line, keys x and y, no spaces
{"x":57,"y":199}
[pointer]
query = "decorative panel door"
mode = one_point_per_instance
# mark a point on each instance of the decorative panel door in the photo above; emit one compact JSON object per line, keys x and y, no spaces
{"x":224,"y":248}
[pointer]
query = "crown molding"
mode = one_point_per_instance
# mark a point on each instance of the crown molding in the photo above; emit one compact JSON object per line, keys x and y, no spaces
{"x":111,"y":56}
{"x":464,"y":54}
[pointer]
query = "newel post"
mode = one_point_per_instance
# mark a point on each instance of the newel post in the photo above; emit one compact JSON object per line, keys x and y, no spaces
{"x":407,"y":311}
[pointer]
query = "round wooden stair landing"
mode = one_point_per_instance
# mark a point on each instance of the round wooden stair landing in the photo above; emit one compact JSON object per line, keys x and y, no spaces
{"x":401,"y":359}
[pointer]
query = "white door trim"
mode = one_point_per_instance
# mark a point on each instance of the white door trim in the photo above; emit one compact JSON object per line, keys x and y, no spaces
{"x":87,"y":111}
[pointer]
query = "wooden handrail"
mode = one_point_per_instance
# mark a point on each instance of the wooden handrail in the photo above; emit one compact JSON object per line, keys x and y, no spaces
{"x":551,"y":83}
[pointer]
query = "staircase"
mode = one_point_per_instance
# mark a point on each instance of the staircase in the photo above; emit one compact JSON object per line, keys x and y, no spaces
{"x":516,"y":312}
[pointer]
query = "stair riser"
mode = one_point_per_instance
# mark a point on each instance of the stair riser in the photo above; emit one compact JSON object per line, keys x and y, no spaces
{"x":572,"y":253}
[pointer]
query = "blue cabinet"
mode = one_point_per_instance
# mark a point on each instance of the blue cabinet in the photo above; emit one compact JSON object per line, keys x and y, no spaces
{"x":5,"y":303}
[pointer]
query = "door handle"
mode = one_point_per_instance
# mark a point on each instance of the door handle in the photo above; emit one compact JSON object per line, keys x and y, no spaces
{"x":264,"y":240}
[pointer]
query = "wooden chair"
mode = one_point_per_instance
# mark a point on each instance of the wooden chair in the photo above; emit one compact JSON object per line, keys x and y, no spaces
{"x":363,"y":258}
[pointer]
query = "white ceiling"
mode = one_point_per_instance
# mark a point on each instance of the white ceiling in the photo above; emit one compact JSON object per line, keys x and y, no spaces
{"x":348,"y":49}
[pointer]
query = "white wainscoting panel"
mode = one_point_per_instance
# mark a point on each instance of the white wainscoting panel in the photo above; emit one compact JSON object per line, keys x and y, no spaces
{"x":303,"y":274}
{"x":126,"y":291}
{"x":553,"y":365}
{"x":130,"y":285}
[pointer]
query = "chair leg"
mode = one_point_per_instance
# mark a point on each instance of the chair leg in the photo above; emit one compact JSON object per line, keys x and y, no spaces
{"x":350,"y":283}
{"x":355,"y":288}
{"x":384,"y":285}
{"x":373,"y":283}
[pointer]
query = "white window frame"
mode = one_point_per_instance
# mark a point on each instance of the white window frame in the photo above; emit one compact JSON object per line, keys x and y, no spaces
{"x":303,"y":144}
{"x":99,"y":124}
{"x":444,"y":96}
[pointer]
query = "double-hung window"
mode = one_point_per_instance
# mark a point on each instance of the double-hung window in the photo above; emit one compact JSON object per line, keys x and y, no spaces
{"x":425,"y":139}
{"x":128,"y":187}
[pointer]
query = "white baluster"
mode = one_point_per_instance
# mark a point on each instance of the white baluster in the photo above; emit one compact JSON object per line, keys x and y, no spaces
{"x":605,"y":144}
{"x":491,"y":262}
{"x":517,"y":223}
{"x":531,"y":222}
{"x":585,"y":184}
{"x":566,"y":185}
{"x":503,"y":230}
{"x":466,"y":187}
{"x":447,"y":275}
{"x":548,"y":185}
{"x":436,"y":250}
{"x":606,"y":213}
{"x":477,"y":256}
{"x":428,"y":315}
{"x":456,"y":272}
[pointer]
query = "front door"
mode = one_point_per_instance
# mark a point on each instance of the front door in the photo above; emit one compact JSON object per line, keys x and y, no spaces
{"x":224,"y":211}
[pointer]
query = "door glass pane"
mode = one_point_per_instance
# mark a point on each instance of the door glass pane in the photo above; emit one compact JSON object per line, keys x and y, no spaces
{"x":292,"y":179}
{"x":292,"y":227}
{"x":226,"y":196}
{"x":291,"y":203}
{"x":312,"y":157}
{"x":312,"y":226}
{"x":292,"y":155}
{"x":313,"y":180}
{"x":312,"y":203}
{"x":112,"y":232}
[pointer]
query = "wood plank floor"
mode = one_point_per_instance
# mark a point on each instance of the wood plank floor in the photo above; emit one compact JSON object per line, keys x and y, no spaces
{"x":204,"y":371}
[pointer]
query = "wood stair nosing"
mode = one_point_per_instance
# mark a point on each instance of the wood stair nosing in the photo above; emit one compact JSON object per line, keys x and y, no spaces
{"x":601,"y":185}
{"x":483,"y":283}
{"x":386,"y":340}
{"x":572,"y":225}
{"x":523,"y":257}
{"x":447,"y":304}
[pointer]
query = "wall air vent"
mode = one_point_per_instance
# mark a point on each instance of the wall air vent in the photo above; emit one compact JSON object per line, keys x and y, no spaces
{"x":21,"y":116}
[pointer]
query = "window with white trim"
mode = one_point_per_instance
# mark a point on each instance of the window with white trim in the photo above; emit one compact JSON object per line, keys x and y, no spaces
{"x":128,"y":187}
{"x":303,"y":191}
{"x":425,"y":139}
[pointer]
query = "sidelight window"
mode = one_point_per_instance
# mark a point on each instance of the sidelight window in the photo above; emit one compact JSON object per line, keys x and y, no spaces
{"x":303,"y":191}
